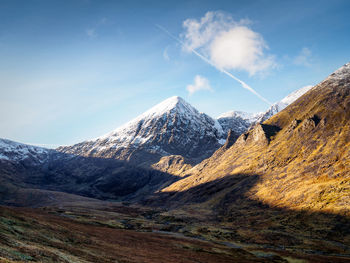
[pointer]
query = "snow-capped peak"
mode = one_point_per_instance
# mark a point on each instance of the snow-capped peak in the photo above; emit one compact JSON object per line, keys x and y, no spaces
{"x":165,"y":109}
{"x":341,"y":73}
{"x":168,"y":105}
{"x":171,"y":127}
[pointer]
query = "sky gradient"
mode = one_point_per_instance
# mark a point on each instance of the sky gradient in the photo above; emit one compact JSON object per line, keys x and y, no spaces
{"x":74,"y":70}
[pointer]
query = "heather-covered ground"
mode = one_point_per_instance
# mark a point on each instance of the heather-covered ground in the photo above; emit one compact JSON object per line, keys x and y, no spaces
{"x":89,"y":232}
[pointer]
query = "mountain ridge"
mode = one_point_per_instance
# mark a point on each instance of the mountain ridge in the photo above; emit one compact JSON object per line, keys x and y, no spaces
{"x":301,"y":155}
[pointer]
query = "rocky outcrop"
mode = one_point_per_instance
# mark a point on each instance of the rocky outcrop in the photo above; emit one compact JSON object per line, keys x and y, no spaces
{"x":231,"y":139}
{"x":173,"y":164}
{"x":310,"y":123}
{"x":260,"y":134}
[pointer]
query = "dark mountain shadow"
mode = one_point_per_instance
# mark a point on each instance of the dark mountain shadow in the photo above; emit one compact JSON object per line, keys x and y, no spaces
{"x":101,"y":178}
{"x":253,"y":221}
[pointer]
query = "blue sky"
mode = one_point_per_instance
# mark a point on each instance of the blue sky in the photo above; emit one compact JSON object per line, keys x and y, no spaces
{"x":74,"y":70}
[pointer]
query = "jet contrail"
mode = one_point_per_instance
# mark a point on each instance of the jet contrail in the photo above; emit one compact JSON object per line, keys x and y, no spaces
{"x":202,"y":57}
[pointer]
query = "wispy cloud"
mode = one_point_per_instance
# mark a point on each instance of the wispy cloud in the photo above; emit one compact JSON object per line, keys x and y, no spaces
{"x":304,"y":58}
{"x":166,"y":54}
{"x":229,"y":44}
{"x":200,"y":83}
{"x":208,"y":61}
{"x":91,"y":32}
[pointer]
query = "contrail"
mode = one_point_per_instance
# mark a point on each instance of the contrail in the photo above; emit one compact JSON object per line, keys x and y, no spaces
{"x":244,"y":85}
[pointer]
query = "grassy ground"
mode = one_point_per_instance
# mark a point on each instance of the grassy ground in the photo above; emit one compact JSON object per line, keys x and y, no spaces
{"x":81,"y":236}
{"x":119,"y":233}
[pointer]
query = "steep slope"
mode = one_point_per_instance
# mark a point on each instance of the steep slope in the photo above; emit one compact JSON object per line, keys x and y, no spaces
{"x":298,"y":159}
{"x":172,"y":127}
{"x":280,"y":105}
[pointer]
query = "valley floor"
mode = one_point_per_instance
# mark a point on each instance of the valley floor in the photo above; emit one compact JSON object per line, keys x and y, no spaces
{"x":115,"y":232}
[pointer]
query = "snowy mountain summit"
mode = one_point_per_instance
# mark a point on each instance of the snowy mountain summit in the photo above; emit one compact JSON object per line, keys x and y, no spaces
{"x":340,"y":75}
{"x":172,"y":127}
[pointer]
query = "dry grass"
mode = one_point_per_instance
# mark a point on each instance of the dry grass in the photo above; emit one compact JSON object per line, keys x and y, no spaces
{"x":306,"y":165}
{"x":36,"y":235}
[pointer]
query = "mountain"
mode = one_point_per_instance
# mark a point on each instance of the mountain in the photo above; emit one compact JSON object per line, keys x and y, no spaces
{"x":173,"y":127}
{"x":298,"y":159}
{"x":285,"y":181}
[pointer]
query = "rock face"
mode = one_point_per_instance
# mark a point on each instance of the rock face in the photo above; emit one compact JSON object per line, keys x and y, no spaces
{"x":230,"y":140}
{"x":172,"y":127}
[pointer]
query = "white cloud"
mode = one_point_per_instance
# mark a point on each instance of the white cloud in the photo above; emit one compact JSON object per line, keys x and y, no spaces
{"x":227,"y":43}
{"x":304,"y":58}
{"x":200,"y":83}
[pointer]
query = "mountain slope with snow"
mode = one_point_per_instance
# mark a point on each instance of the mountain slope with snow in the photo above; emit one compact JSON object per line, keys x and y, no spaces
{"x":173,"y":127}
{"x":280,"y":105}
{"x":237,"y":121}
{"x":14,"y":151}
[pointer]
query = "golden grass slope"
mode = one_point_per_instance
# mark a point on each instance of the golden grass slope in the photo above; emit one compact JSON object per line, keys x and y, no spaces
{"x":301,"y":155}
